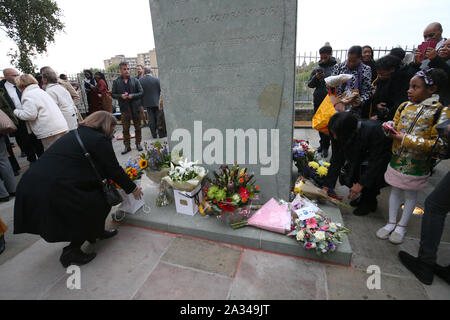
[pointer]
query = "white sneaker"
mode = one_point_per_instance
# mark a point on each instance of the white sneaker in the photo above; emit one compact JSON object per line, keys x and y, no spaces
{"x":384,"y":233}
{"x":397,"y":237}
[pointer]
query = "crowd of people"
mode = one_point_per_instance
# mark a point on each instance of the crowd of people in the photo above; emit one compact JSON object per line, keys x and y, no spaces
{"x":69,"y":204}
{"x":391,"y":132}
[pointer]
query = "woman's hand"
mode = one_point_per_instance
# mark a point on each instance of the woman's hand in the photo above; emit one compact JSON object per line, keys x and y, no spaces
{"x":354,"y":191}
{"x":398,"y":137}
{"x":325,"y":190}
{"x":418,"y":58}
{"x":138,"y":193}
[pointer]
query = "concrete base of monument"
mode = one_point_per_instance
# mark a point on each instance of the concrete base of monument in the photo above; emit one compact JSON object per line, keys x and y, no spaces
{"x":166,"y":219}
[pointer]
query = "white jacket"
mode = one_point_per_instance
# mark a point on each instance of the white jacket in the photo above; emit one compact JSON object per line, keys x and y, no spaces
{"x":41,"y":112}
{"x":65,"y":103}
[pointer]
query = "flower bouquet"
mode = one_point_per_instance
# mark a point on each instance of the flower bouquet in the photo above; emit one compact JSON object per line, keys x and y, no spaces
{"x":130,"y":204}
{"x":186,"y":179}
{"x":230,"y":195}
{"x":319,"y":233}
{"x":307,"y":162}
{"x":274,"y":216}
{"x":155,"y":161}
{"x":308,"y":189}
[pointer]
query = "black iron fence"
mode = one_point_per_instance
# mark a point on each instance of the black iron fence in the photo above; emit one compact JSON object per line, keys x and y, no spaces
{"x":307,"y":62}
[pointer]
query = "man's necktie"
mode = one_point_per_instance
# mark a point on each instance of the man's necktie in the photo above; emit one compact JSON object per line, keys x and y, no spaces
{"x":19,"y":94}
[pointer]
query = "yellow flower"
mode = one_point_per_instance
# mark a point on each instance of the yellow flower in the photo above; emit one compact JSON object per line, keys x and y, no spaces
{"x":143,"y":163}
{"x":322,"y":171}
{"x":298,"y":187}
{"x":326,"y":164}
{"x":314,"y":165}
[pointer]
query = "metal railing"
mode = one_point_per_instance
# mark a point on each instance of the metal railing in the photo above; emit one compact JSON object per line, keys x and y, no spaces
{"x":307,"y":62}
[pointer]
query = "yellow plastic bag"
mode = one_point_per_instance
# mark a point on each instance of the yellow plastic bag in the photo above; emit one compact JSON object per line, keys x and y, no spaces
{"x":323,"y":115}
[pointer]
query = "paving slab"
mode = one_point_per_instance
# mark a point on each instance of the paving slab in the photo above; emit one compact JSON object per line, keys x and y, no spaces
{"x":184,"y":284}
{"x":122,"y":264}
{"x":272,"y":277}
{"x":351,"y":284}
{"x":208,"y":227}
{"x":32,"y":272}
{"x":203,"y":255}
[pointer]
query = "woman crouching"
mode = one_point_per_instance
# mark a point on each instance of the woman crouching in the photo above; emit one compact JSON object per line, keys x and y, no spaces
{"x":61,"y":199}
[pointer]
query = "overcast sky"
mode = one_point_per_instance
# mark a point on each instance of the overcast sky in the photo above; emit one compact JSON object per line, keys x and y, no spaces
{"x":99,"y":29}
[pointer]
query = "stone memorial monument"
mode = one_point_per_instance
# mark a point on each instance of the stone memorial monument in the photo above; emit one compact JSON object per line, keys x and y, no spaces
{"x":227,"y":70}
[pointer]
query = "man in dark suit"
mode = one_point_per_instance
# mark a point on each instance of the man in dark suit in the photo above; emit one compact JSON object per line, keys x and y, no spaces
{"x":128,"y":91}
{"x":150,"y":99}
{"x":27,"y":142}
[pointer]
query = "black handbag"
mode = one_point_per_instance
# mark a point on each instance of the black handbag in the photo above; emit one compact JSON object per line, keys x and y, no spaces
{"x":112,"y":196}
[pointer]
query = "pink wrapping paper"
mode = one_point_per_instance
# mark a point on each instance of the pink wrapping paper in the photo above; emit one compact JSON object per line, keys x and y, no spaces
{"x":272,"y":217}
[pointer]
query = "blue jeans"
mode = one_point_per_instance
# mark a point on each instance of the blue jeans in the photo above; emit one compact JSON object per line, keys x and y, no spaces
{"x":437,"y":205}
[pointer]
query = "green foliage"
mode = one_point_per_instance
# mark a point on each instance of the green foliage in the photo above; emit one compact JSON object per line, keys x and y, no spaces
{"x":302,"y":76}
{"x":32,"y":25}
{"x":114,"y":68}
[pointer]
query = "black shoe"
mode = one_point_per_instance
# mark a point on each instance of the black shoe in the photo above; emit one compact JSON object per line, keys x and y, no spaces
{"x":421,"y":270}
{"x":126,"y":150}
{"x":2,"y":244}
{"x":139,"y":147}
{"x":442,"y":272}
{"x":75,"y":256}
{"x":325,"y":153}
{"x":108,"y":234}
{"x":364,"y":209}
{"x":5,"y":199}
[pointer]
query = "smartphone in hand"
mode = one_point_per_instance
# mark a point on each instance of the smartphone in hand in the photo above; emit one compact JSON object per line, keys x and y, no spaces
{"x":389,"y":128}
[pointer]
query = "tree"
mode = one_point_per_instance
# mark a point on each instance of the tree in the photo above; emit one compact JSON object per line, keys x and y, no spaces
{"x":32,"y":25}
{"x":114,"y":68}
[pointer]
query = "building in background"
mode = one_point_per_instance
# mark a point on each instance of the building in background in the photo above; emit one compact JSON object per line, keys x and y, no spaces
{"x":146,"y":59}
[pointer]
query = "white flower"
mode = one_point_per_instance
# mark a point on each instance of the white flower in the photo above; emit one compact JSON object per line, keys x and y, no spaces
{"x":313,"y":245}
{"x":333,"y":225}
{"x":319,"y":235}
{"x":300,"y":235}
{"x":324,"y":251}
{"x":297,"y":221}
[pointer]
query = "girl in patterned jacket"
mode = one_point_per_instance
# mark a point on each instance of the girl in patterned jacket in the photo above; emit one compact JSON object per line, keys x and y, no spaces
{"x":415,"y":122}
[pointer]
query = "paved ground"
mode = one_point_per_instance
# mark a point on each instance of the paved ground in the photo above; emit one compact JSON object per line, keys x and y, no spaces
{"x":145,"y":264}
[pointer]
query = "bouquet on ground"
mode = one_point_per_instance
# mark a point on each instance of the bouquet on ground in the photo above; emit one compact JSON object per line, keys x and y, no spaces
{"x":156,"y":160}
{"x":186,"y":176}
{"x":274,"y":216}
{"x":308,"y":189}
{"x":319,"y":233}
{"x":307,"y":162}
{"x":230,"y":194}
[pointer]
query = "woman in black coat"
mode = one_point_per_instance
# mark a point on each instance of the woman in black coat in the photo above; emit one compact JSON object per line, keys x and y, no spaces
{"x":391,"y":88}
{"x":365,"y":151}
{"x":61,"y":199}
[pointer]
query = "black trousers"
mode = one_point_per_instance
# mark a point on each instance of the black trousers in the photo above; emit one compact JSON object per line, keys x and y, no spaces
{"x":437,"y":205}
{"x":29,"y":143}
{"x":11,"y":156}
{"x":152,"y":113}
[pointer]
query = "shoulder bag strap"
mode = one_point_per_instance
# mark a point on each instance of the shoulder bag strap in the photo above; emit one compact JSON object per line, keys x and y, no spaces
{"x":87,"y":155}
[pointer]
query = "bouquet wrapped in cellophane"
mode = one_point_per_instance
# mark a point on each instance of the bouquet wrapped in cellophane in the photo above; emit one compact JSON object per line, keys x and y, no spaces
{"x":186,"y":176}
